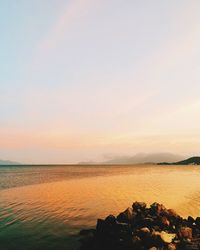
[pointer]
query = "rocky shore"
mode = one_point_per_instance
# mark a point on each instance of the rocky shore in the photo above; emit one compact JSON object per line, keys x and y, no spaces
{"x":141,"y":227}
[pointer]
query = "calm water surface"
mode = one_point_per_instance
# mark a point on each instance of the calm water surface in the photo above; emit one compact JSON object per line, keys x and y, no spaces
{"x":43,"y":207}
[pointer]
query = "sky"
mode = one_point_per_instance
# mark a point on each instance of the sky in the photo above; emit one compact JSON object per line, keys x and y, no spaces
{"x":85,"y":80}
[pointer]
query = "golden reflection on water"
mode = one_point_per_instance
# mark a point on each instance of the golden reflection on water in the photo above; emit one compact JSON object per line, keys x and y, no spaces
{"x":80,"y":202}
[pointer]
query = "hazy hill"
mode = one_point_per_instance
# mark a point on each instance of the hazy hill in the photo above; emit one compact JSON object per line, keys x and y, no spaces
{"x":3,"y":162}
{"x":141,"y":158}
{"x":146,"y":158}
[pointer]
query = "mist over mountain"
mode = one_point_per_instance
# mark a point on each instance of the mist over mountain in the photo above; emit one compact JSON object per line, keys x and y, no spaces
{"x":141,"y":158}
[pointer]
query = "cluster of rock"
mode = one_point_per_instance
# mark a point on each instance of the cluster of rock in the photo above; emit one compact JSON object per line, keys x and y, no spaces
{"x":141,"y":228}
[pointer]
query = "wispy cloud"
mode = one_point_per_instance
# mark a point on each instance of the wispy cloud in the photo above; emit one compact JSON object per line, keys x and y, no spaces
{"x":74,"y":11}
{"x":115,"y":96}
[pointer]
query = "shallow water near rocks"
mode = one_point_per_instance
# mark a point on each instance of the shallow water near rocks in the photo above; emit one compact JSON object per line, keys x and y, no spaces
{"x":44,"y":207}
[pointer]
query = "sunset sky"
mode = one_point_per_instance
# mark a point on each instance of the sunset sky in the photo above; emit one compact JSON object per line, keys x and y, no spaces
{"x":90,"y":79}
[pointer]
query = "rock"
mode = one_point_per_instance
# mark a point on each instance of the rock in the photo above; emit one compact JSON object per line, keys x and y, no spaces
{"x":189,"y":246}
{"x":110,"y":219}
{"x":157,"y":208}
{"x":147,"y":222}
{"x":123,"y":226}
{"x":127,"y":216}
{"x":167,"y":237}
{"x":171,"y":246}
{"x":101,"y":226}
{"x":145,"y":236}
{"x":144,"y":232}
{"x":136,"y":242}
{"x":197,"y":221}
{"x":142,"y":228}
{"x":122,"y":230}
{"x":172,"y":213}
{"x":165,"y":221}
{"x":156,"y":229}
{"x":136,"y":239}
{"x":185,"y":232}
{"x":191,"y":220}
{"x":139,"y":206}
{"x":196,"y":232}
{"x":104,"y":228}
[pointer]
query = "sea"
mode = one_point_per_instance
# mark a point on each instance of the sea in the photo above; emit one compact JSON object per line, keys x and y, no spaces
{"x":45,"y":207}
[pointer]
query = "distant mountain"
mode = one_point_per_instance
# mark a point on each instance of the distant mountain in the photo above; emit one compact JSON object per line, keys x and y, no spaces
{"x":190,"y":161}
{"x":2,"y":162}
{"x":146,"y":158}
{"x":140,"y":158}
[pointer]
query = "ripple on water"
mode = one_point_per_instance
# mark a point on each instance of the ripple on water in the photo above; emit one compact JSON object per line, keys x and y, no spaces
{"x":50,"y":212}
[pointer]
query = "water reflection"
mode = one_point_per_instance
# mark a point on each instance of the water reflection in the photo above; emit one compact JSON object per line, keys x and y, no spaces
{"x":58,"y":209}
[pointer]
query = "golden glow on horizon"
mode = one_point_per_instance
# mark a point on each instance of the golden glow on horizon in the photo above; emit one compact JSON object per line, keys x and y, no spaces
{"x":69,"y":199}
{"x":101,"y":77}
{"x":92,"y":144}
